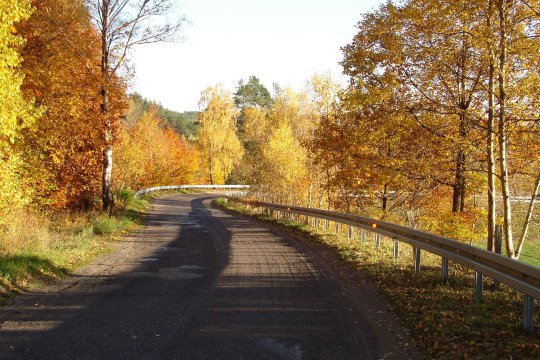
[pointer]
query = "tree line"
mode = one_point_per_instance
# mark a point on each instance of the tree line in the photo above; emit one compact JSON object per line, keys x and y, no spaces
{"x":437,"y":126}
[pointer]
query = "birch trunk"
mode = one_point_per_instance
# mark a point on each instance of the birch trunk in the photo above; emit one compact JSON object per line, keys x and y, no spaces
{"x":211,"y":169}
{"x":528,"y":218}
{"x":505,"y":187}
{"x":492,"y":209}
{"x":106,"y":193}
{"x":310,"y":192}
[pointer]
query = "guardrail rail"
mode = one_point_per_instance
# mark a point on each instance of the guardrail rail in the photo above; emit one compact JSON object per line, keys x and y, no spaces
{"x":515,"y":274}
{"x":191,"y":187}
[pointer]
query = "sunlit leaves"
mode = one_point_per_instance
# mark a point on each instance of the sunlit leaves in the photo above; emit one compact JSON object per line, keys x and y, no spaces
{"x":61,"y":64}
{"x":221,"y":149}
{"x":151,"y":154}
{"x":16,"y":113}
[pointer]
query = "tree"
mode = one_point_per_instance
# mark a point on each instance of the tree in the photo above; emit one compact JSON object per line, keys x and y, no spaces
{"x":184,"y":123}
{"x":517,"y":79}
{"x":124,"y":24}
{"x":252,"y":94}
{"x":61,"y":66}
{"x":16,"y":113}
{"x":324,"y":95}
{"x":220,"y":147}
{"x":276,"y":158}
{"x":150,"y":153}
{"x":284,"y":165}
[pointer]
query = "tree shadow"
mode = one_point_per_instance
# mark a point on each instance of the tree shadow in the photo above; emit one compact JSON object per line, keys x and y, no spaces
{"x":25,"y":268}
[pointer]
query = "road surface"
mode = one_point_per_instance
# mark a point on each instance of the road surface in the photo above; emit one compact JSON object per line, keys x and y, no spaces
{"x":199,"y":283}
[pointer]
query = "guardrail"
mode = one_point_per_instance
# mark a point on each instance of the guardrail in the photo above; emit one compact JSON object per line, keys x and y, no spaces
{"x":515,"y":274}
{"x":191,"y":187}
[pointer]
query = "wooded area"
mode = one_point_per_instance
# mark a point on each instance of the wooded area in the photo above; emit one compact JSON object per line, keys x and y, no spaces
{"x":437,"y":127}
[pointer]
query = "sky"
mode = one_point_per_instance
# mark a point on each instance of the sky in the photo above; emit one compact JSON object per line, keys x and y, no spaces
{"x":281,"y":41}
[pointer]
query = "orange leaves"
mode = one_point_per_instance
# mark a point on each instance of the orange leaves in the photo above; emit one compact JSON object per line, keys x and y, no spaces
{"x":61,"y":66}
{"x":150,"y":154}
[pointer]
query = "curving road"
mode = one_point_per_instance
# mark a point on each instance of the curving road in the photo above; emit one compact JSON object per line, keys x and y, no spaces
{"x":199,"y":283}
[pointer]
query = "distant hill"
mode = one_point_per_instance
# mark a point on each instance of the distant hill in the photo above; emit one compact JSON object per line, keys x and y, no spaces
{"x":184,"y":123}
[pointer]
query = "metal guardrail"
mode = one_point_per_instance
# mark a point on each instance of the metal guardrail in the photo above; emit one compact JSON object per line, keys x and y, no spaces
{"x":515,"y":274}
{"x":191,"y":187}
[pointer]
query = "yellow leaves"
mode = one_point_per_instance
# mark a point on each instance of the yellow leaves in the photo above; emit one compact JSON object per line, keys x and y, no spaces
{"x":150,"y":154}
{"x":256,"y":124}
{"x":62,"y":151}
{"x":284,"y":158}
{"x":15,"y":112}
{"x":220,"y":147}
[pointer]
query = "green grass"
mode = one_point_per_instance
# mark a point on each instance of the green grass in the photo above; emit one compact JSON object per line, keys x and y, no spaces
{"x":111,"y":225}
{"x":38,"y":248}
{"x":531,"y":246}
{"x":444,"y":319}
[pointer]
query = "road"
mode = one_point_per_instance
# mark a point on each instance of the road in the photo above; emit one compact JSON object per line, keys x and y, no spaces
{"x":199,"y":283}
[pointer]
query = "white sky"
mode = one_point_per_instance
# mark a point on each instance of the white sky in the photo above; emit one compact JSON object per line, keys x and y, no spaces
{"x":282,"y":41}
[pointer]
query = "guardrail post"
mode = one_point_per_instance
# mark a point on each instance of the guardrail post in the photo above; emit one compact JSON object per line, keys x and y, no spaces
{"x":416,"y":260}
{"x":479,"y":285}
{"x":445,"y":269}
{"x":528,"y":314}
{"x":350,"y":231}
{"x":327,"y":224}
{"x":363,"y":235}
{"x":498,"y":246}
{"x":396,"y":249}
{"x":337,"y":227}
{"x":315,"y":222}
{"x":377,"y":241}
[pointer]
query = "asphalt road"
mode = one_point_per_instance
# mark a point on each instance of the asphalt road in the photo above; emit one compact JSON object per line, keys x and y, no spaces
{"x":196,"y":283}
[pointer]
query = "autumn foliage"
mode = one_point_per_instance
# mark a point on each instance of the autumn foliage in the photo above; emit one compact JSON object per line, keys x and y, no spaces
{"x":53,"y":131}
{"x":61,"y":67}
{"x":150,"y":154}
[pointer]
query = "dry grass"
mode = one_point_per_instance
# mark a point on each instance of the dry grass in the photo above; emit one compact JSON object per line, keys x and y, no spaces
{"x":39,"y":247}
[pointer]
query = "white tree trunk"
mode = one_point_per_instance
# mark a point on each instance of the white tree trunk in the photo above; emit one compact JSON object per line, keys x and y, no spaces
{"x":492,"y":209}
{"x":503,"y":140}
{"x":528,"y":218}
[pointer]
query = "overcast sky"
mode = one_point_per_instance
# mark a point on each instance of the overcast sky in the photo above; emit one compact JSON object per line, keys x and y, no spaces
{"x":282,"y":41}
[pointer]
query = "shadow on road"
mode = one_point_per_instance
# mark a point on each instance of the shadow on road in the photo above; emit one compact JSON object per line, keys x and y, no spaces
{"x":195,"y":283}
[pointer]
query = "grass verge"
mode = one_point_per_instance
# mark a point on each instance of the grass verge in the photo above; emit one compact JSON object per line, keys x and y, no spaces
{"x":38,"y":248}
{"x":443,"y":318}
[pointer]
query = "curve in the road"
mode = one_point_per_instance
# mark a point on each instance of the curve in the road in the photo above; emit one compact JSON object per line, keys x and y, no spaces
{"x":194,"y":283}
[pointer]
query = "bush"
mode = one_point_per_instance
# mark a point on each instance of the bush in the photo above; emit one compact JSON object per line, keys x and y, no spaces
{"x":124,"y":197}
{"x":104,"y":225}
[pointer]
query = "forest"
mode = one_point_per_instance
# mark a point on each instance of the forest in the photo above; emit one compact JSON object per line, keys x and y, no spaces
{"x":436,"y":128}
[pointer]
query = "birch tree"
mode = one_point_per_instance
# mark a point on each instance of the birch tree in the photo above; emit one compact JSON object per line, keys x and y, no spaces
{"x":221,"y":149}
{"x":123,"y":25}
